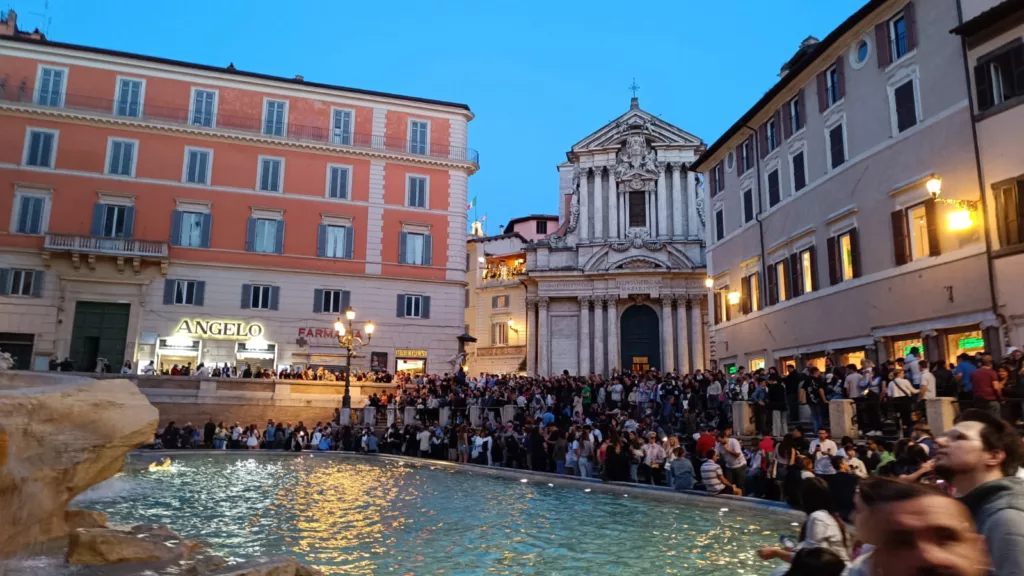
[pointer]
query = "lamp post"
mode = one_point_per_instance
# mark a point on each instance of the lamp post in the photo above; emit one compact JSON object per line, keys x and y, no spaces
{"x":348,"y":340}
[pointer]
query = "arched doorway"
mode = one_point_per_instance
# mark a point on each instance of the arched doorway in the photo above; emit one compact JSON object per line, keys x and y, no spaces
{"x":638,"y":333}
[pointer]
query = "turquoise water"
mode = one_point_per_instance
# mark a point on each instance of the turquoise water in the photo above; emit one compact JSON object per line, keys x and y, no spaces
{"x":366,"y":516}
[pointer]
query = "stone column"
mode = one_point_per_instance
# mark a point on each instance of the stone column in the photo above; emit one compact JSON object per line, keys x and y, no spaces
{"x":613,"y":208}
{"x":599,"y":355}
{"x":697,"y":333}
{"x":613,"y":332}
{"x":584,"y":223}
{"x":693,"y":224}
{"x":543,"y":338}
{"x":941,"y":414}
{"x":682,"y":344}
{"x":652,"y":223}
{"x":662,"y":205}
{"x":584,"y":366}
{"x":678,"y":200}
{"x":668,"y":355}
{"x":531,"y":336}
{"x":623,"y":217}
{"x":598,"y":206}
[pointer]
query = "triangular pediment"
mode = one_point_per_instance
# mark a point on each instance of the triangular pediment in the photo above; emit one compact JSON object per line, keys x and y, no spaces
{"x":659,"y":132}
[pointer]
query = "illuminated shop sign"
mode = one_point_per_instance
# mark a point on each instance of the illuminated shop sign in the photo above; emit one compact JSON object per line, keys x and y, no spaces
{"x":226,"y":329}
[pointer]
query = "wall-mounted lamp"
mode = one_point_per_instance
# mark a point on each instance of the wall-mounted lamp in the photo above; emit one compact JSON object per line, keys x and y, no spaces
{"x":709,"y":283}
{"x":934,"y":187}
{"x":512,"y":326}
{"x":734,"y":297}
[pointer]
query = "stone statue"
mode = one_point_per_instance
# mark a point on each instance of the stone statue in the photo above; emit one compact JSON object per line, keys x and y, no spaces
{"x":650,"y":162}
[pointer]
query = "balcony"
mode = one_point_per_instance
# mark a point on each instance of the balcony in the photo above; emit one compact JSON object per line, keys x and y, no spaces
{"x":92,"y":246}
{"x":223,"y":123}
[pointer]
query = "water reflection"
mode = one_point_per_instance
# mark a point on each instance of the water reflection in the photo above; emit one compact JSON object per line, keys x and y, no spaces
{"x":348,"y":516}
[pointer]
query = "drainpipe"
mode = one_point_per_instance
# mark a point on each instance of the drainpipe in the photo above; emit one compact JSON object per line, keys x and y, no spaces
{"x":762,"y":282}
{"x":1001,"y":318}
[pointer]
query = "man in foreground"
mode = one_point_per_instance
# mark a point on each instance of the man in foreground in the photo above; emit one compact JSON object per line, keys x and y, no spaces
{"x":979,"y":457}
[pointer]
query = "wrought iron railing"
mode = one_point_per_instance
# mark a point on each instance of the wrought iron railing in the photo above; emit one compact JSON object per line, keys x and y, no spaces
{"x":109,"y":246}
{"x":226,"y":122}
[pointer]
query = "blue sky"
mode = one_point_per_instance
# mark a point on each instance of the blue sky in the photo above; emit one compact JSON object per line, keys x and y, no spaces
{"x":539,"y":76}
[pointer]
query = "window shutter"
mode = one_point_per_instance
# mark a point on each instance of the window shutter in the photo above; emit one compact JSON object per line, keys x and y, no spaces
{"x":855,"y":252}
{"x":207,"y":230}
{"x":175,"y":227}
{"x":787,"y":121}
{"x":899,"y":236}
{"x":428,"y":251}
{"x":822,"y":96}
{"x":129,"y":222}
{"x":779,"y":130}
{"x":803,"y":108}
{"x":318,"y":300}
{"x":494,"y":301}
{"x":795,"y":271}
{"x":250,"y":235}
{"x":400,"y":312}
{"x":739,"y":160}
{"x":834,"y":262}
{"x":425,"y":307}
{"x":246,"y":295}
{"x":840,"y":78}
{"x":983,"y":87}
{"x":933,"y":228}
{"x":773,"y":285}
{"x":762,"y":140}
{"x":350,"y":236}
{"x":1017,"y":57}
{"x":98,"y":211}
{"x":814,"y":268}
{"x":910,"y":19}
{"x":168,"y":291}
{"x":279,"y":249}
{"x":346,"y":299}
{"x":1019,"y":198}
{"x":745,"y":295}
{"x":23,"y":214}
{"x":37,"y":283}
{"x":5,"y":281}
{"x":275,"y":297}
{"x":883,"y":49}
{"x":200,"y":295}
{"x":321,"y":241}
{"x":718,"y":308}
{"x":402,"y":256}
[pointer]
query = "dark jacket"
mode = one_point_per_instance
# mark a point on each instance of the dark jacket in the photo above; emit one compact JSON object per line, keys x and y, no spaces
{"x":998,"y":510}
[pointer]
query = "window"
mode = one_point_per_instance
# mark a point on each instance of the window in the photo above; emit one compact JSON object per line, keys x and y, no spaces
{"x":337,"y":241}
{"x":41,"y":148}
{"x":275,"y":115}
{"x":129,"y":98}
{"x":417,"y":192}
{"x":747,"y":155}
{"x":1010,"y":213}
{"x":719,"y":224}
{"x":204,"y":108}
{"x":832,"y":85}
{"x":191,"y":232}
{"x":861,"y":52}
{"x":748,"y":206}
{"x":197,"y":165}
{"x":418,"y":136}
{"x":270,"y":174}
{"x":795,"y":115}
{"x":466,"y":302}
{"x":637,"y":209}
{"x":115,"y":220}
{"x":331,"y":301}
{"x":50,"y":91}
{"x":914,"y":233}
{"x":898,"y":37}
{"x":185,"y":292}
{"x":22,"y":282}
{"x":414,"y":248}
{"x":836,"y":146}
{"x":905,"y":104}
{"x":266,"y":240}
{"x":29,"y":213}
{"x":341,"y":127}
{"x":781,"y":287}
{"x":799,"y":172}
{"x":994,"y":78}
{"x":337,"y":182}
{"x":260,"y":297}
{"x":500,"y":301}
{"x":845,"y":267}
{"x":121,"y":157}
{"x":771,"y":135}
{"x":730,"y":161}
{"x":413,"y":306}
{"x":542,"y":226}
{"x":717,"y":180}
{"x":774,"y":193}
{"x":499,"y":334}
{"x":754,"y":292}
{"x":807,"y":271}
{"x":917,"y":227}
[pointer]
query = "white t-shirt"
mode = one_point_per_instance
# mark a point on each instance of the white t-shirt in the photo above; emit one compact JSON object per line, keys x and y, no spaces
{"x":822,"y":531}
{"x":730,"y":460}
{"x":424,"y":438}
{"x":570,"y":453}
{"x":900,"y":388}
{"x":715,"y":389}
{"x":928,"y":384}
{"x":828,"y":448}
{"x":616,"y":392}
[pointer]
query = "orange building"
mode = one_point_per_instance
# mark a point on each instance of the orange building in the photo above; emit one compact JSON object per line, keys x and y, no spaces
{"x":166,"y":211}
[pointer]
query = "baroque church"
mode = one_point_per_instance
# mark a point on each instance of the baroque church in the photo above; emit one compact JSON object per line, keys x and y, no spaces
{"x":620,"y":283}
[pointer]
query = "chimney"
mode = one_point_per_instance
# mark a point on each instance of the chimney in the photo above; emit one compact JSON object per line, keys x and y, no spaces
{"x":300,"y":78}
{"x":9,"y":24}
{"x":808,"y":45}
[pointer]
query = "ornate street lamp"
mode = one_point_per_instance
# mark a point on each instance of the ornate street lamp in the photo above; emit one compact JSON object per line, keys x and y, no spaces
{"x":348,"y":340}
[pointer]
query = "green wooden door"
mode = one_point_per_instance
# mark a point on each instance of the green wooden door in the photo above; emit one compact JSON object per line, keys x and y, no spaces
{"x":100,"y":331}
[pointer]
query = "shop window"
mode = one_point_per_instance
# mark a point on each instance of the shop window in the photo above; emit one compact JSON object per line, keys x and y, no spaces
{"x":969,"y":342}
{"x":755,"y":364}
{"x":902,"y":347}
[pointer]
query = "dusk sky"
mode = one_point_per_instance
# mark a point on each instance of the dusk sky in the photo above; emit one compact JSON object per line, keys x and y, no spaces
{"x":539,"y":76}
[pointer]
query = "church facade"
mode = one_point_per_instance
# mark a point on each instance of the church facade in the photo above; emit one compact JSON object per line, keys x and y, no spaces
{"x":620,"y":283}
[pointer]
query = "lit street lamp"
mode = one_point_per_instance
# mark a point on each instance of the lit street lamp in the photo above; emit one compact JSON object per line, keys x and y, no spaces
{"x":348,"y":340}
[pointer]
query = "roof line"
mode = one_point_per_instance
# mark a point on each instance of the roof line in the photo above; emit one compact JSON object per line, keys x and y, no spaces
{"x":223,"y":70}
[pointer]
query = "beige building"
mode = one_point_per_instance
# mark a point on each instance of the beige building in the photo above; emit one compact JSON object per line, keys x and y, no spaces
{"x":496,"y":295}
{"x":844,"y":218}
{"x":993,"y":34}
